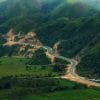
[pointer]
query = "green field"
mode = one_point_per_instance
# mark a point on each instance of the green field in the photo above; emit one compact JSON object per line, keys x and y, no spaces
{"x":64,"y":90}
{"x":72,"y":91}
{"x":85,"y":94}
{"x":12,"y":66}
{"x":69,"y":93}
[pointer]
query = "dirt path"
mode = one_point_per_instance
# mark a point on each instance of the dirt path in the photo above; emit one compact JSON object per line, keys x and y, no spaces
{"x":71,"y":70}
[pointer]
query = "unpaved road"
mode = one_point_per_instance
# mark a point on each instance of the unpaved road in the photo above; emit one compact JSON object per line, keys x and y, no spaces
{"x":71,"y":70}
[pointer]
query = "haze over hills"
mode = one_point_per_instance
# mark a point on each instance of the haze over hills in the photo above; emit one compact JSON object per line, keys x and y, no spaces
{"x":2,"y":0}
{"x":72,"y":22}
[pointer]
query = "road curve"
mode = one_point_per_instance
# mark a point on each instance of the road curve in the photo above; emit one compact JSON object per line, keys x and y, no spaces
{"x":71,"y":70}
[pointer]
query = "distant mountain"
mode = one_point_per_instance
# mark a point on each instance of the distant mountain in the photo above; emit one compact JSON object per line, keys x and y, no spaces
{"x":22,"y":15}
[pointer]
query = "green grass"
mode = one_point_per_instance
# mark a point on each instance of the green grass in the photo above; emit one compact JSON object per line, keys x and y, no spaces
{"x":4,"y":93}
{"x":84,"y":94}
{"x":12,"y":66}
{"x":16,"y":66}
{"x":69,"y":93}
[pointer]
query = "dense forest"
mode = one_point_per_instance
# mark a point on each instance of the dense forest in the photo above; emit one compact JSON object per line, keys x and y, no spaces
{"x":75,"y":25}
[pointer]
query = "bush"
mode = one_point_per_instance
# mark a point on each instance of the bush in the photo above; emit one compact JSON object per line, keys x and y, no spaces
{"x":39,"y":58}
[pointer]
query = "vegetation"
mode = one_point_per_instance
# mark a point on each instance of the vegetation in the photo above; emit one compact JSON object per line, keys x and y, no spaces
{"x":75,"y":25}
{"x":17,"y":66}
{"x":2,"y":39}
{"x":17,"y":87}
{"x":84,"y":94}
{"x":39,"y":58}
{"x":58,"y":23}
{"x":89,"y":65}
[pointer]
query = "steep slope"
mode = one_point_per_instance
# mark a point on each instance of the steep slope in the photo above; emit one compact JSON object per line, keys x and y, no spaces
{"x":90,"y":64}
{"x":29,"y":17}
{"x":32,"y":14}
{"x":29,"y":14}
{"x":85,"y":34}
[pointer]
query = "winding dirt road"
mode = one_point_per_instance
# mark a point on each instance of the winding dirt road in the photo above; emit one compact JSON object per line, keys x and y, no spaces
{"x":71,"y":70}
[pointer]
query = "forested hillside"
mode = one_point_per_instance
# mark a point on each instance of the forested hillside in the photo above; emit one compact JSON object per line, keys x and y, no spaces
{"x":75,"y":25}
{"x":90,"y":64}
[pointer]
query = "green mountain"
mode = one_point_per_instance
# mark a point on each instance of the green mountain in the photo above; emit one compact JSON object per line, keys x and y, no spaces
{"x":74,"y":24}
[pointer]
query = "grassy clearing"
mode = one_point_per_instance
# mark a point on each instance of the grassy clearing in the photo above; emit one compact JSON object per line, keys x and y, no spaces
{"x":11,"y":66}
